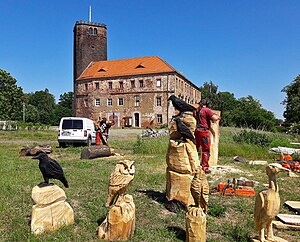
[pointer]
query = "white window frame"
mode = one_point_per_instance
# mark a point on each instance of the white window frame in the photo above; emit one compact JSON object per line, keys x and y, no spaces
{"x":158,"y":82}
{"x":158,"y":101}
{"x":159,"y":119}
{"x":109,"y":102}
{"x":136,"y":101}
{"x":141,"y":82}
{"x":97,"y":102}
{"x":119,"y":101}
{"x":132,"y":83}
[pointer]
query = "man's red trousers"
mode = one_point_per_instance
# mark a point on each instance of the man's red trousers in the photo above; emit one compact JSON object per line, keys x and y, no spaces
{"x":203,"y":140}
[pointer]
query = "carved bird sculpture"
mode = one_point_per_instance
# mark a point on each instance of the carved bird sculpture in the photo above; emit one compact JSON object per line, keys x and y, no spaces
{"x":200,"y":190}
{"x":119,"y":180}
{"x":50,"y":169}
{"x":184,"y":131}
{"x":267,"y":203}
{"x":180,"y":105}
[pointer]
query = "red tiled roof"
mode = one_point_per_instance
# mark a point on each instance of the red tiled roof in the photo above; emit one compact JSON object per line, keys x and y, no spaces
{"x":126,"y":67}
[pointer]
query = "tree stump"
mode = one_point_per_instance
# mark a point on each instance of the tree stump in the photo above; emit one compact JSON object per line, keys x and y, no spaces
{"x":32,"y":151}
{"x":95,"y":152}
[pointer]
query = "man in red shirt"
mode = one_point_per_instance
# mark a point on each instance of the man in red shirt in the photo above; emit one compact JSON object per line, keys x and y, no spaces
{"x":204,"y":116}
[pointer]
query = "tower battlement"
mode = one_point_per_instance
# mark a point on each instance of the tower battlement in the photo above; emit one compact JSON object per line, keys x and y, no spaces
{"x":84,"y":22}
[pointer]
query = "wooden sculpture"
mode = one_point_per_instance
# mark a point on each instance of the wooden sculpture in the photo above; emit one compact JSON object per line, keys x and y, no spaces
{"x":267,"y":204}
{"x":200,"y":190}
{"x":196,"y":215}
{"x":119,"y":180}
{"x":182,"y":159}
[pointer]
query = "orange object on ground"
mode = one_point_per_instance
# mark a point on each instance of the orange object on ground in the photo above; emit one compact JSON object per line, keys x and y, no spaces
{"x":286,"y":165}
{"x":229,"y":191}
{"x":285,"y":157}
{"x":245,"y":192}
{"x":220,"y":187}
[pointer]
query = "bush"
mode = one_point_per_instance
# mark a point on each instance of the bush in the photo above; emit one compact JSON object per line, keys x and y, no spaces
{"x":294,"y":128}
{"x":216,"y":210}
{"x":283,"y":142}
{"x":252,"y":137}
{"x":238,"y":232}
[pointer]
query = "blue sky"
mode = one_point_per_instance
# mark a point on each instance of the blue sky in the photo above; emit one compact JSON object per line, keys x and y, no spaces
{"x":245,"y":47}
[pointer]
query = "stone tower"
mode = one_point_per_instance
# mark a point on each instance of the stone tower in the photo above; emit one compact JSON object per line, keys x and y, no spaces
{"x":90,"y":44}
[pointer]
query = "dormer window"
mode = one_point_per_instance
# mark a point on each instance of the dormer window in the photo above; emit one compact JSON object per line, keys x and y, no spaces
{"x":102,"y":70}
{"x":140,"y":66}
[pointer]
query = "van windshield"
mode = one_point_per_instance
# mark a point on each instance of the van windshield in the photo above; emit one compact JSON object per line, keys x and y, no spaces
{"x":72,"y":124}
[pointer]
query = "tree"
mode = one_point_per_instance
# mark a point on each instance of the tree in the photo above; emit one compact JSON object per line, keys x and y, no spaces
{"x":249,"y":113}
{"x":11,"y":97}
{"x":209,"y":92}
{"x":292,"y":102}
{"x":64,"y":107}
{"x":243,"y":112}
{"x":226,"y":104}
{"x":45,"y":104}
{"x":66,"y":100}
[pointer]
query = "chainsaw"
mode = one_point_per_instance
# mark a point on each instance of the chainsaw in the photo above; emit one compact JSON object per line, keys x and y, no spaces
{"x":236,"y":187}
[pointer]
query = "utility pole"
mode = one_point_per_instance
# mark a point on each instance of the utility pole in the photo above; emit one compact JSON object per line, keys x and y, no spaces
{"x":23,"y":112}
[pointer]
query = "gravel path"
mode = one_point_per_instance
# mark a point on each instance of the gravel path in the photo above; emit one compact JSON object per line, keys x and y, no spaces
{"x":124,"y":134}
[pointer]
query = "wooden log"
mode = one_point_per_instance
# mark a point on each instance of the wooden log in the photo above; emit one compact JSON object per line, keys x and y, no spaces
{"x":95,"y":152}
{"x":32,"y":151}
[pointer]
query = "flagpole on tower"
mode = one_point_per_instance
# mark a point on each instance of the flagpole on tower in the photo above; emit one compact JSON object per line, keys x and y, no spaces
{"x":90,"y":17}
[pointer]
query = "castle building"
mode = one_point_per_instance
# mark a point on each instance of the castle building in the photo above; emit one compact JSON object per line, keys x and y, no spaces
{"x":131,"y":91}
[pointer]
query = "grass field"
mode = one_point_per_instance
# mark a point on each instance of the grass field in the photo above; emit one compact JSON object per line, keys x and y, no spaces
{"x":229,"y":219}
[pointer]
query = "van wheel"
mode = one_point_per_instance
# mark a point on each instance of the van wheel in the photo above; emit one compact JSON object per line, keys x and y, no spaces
{"x":89,"y":141}
{"x":62,"y":144}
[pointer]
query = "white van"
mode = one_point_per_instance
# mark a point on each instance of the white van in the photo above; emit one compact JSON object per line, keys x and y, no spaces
{"x":76,"y":130}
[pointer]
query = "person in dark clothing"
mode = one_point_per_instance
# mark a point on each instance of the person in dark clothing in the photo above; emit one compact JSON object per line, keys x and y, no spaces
{"x":204,"y":116}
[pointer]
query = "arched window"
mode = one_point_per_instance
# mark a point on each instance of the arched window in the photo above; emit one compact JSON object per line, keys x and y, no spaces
{"x":90,"y":30}
{"x":95,"y":31}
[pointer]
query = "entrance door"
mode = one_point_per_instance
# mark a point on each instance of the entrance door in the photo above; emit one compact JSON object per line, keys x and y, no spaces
{"x":136,"y":120}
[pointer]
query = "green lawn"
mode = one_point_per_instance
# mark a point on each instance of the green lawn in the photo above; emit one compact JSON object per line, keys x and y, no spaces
{"x":229,"y":219}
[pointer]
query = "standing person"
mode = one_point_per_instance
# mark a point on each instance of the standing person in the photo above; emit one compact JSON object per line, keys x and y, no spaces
{"x":204,"y":116}
{"x":103,"y":124}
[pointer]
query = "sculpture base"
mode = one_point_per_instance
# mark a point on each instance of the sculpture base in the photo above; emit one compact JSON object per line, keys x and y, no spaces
{"x":120,"y":221}
{"x":50,"y":210}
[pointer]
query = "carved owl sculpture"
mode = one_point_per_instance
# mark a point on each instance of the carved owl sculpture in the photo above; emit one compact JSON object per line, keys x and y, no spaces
{"x":200,"y":190}
{"x":119,"y":180}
